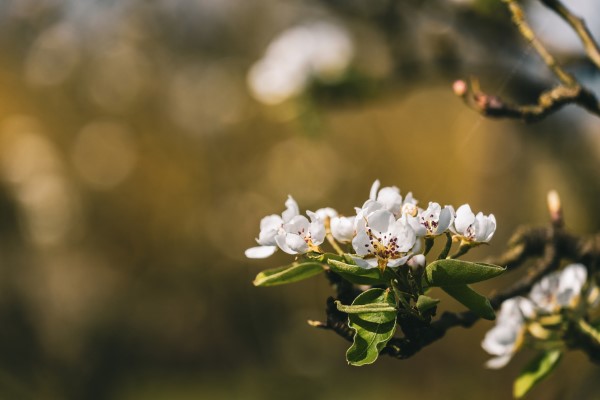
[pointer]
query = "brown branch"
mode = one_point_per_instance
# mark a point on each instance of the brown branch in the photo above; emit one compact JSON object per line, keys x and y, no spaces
{"x":579,"y":26}
{"x":548,"y":102}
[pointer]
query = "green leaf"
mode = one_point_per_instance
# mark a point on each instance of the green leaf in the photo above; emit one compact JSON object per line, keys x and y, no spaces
{"x":425,"y":303}
{"x":373,"y":329}
{"x":449,"y":272}
{"x":365,"y":308}
{"x":359,"y":275}
{"x":475,"y":302}
{"x":288,"y":274}
{"x":534,"y":372}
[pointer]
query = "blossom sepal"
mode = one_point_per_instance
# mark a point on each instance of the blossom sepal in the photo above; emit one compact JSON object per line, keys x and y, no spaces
{"x":535,"y":371}
{"x":359,"y":275}
{"x":372,"y":329}
{"x":294,"y":272}
{"x":450,"y":272}
{"x":426,"y":303}
{"x":474,"y":301}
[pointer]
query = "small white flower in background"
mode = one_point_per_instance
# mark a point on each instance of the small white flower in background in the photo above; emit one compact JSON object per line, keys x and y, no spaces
{"x":342,"y":228}
{"x":301,"y":236}
{"x":556,"y":291}
{"x":315,"y":50}
{"x":560,"y":289}
{"x":382,"y":241}
{"x":474,"y":228}
{"x":436,"y":220}
{"x":389,"y":197}
{"x":270,"y":227}
{"x":504,"y":339}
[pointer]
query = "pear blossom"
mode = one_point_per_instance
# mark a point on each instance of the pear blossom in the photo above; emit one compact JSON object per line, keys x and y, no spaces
{"x":342,"y":228}
{"x":382,"y":241}
{"x":300,"y":236}
{"x":389,"y":197}
{"x":505,"y":338}
{"x":555,"y":291}
{"x":473,"y":228}
{"x":270,"y":227}
{"x":560,"y":289}
{"x":435,"y":219}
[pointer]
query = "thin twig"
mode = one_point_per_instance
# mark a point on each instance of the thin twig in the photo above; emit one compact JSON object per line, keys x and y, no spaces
{"x":548,"y":102}
{"x":518,"y":17}
{"x":579,"y":26}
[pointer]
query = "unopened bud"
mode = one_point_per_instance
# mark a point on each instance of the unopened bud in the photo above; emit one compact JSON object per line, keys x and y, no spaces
{"x":555,"y":208}
{"x":416,"y":262}
{"x":459,"y":87}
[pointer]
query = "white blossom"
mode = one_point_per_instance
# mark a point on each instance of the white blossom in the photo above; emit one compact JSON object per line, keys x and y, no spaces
{"x":435,"y":219}
{"x":270,"y":227}
{"x":560,"y":289}
{"x":474,"y":228}
{"x":314,"y":50}
{"x":382,"y":241}
{"x":389,"y":197}
{"x":342,"y":228}
{"x":300,"y":236}
{"x":504,"y":339}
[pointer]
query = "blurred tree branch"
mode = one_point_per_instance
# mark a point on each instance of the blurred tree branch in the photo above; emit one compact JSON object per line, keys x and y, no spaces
{"x":570,"y":90}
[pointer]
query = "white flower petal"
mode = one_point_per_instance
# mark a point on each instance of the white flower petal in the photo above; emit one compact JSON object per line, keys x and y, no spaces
{"x":374,"y":190}
{"x":260,"y":251}
{"x":380,"y":220}
{"x":282,"y":243}
{"x":498,"y":362}
{"x":464,"y":218}
{"x":342,"y":228}
{"x":571,"y":282}
{"x":391,"y":199}
{"x":398,"y":261}
{"x":365,"y":263}
{"x":445,"y":220}
{"x":416,"y":226}
{"x":361,"y":243}
{"x":323,"y":213}
{"x":291,"y":211}
{"x":296,"y":244}
{"x":417,"y":261}
{"x":404,"y":234}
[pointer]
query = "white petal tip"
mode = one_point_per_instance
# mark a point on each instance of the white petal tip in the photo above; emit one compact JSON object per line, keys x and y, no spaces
{"x":260,"y":251}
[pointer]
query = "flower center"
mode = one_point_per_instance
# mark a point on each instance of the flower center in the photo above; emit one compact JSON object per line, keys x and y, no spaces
{"x":430,"y":223}
{"x":384,"y":248}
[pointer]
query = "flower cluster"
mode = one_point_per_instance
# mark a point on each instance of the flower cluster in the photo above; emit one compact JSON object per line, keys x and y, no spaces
{"x":386,"y":231}
{"x":538,"y":318}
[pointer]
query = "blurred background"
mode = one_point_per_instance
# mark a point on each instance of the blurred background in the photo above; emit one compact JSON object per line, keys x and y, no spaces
{"x":141,"y":142}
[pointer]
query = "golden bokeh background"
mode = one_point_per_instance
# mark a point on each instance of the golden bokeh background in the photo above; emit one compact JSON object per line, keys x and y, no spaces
{"x":137,"y":159}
